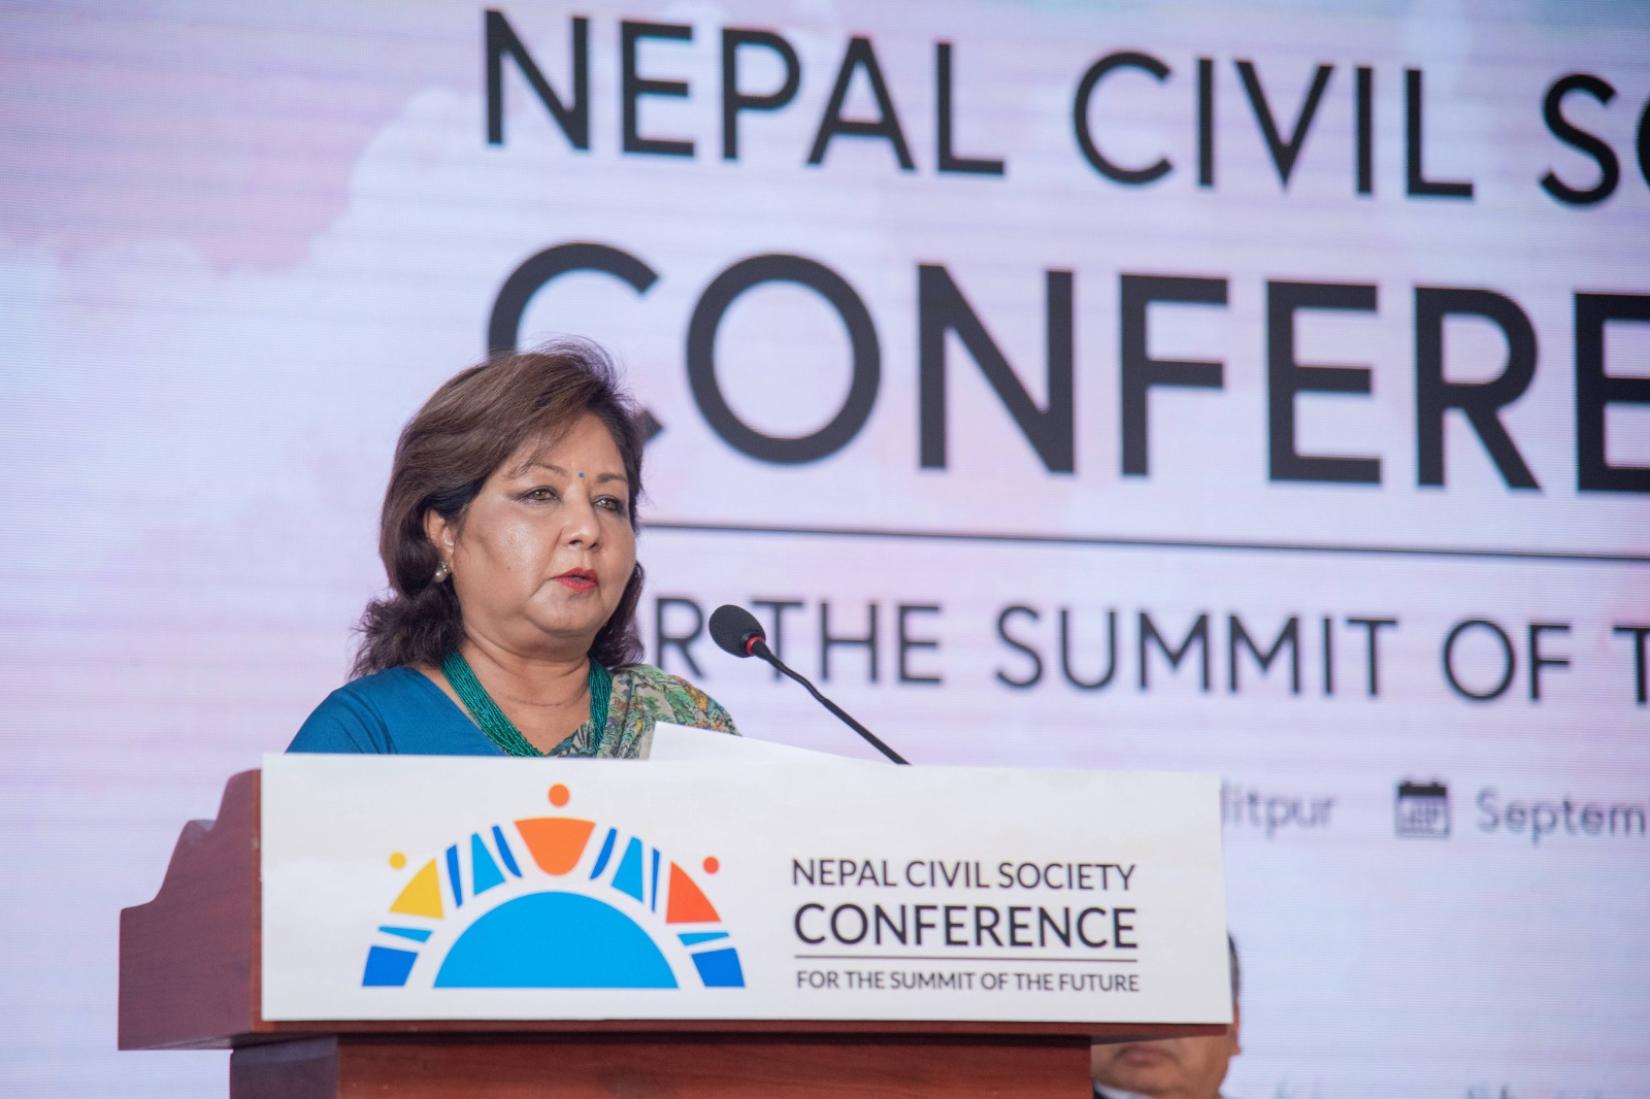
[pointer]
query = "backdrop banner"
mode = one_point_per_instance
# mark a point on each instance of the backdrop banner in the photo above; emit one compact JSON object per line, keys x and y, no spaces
{"x":1253,"y":389}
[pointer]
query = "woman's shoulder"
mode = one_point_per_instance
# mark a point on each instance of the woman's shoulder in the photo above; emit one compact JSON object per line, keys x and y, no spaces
{"x":668,"y":697}
{"x":382,"y":693}
{"x":376,"y":713}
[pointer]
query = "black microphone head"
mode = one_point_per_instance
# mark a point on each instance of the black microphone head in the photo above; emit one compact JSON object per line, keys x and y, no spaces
{"x":734,"y":629}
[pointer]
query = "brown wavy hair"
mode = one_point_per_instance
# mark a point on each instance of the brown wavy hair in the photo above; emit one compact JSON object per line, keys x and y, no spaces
{"x":446,"y":453}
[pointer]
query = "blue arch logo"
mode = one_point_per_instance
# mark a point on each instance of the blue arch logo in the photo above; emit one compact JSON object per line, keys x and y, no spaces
{"x":552,"y":902}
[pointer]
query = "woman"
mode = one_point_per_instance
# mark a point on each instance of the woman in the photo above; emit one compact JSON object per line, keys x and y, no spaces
{"x":509,"y":536}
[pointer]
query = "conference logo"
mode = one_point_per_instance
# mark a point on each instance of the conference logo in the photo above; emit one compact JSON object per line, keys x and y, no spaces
{"x":1421,"y":810}
{"x":552,"y":902}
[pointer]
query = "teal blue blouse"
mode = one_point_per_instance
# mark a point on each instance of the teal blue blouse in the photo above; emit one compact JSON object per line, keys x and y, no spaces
{"x":401,"y":711}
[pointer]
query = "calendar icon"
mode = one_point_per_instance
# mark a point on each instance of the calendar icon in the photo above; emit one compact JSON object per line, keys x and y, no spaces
{"x":1422,"y":810}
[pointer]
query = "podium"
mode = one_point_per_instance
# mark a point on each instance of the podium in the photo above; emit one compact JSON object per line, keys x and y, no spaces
{"x":854,"y":959}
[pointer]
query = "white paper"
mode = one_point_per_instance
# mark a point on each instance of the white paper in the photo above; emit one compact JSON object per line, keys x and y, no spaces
{"x":688,"y":744}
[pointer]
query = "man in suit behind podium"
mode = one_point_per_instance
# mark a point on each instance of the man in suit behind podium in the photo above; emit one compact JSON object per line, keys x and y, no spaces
{"x":1175,"y":1068}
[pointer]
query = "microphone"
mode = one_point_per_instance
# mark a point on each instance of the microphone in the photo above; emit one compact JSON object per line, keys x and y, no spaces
{"x":735,"y":630}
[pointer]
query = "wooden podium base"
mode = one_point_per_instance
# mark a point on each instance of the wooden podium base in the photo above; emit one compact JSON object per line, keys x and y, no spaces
{"x":642,"y":1066}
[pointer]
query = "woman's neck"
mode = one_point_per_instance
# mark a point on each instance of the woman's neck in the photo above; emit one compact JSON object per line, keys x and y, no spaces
{"x":537,"y":681}
{"x":546,"y":696}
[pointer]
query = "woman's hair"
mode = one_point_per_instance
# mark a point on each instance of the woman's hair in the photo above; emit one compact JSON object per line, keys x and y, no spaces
{"x":446,"y":453}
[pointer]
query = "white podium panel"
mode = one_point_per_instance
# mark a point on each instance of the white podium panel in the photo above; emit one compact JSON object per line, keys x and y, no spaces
{"x":450,"y":888}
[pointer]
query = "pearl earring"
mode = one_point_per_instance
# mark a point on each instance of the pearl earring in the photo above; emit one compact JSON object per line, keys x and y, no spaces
{"x":442,"y":571}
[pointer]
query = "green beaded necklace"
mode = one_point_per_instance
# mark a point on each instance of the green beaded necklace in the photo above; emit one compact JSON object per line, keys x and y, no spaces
{"x":500,"y":729}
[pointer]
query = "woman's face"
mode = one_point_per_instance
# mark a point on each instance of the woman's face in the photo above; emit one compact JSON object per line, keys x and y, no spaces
{"x":543,"y":553}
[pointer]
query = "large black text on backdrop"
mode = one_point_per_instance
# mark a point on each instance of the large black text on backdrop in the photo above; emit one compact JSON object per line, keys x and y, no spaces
{"x":1255,"y":390}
